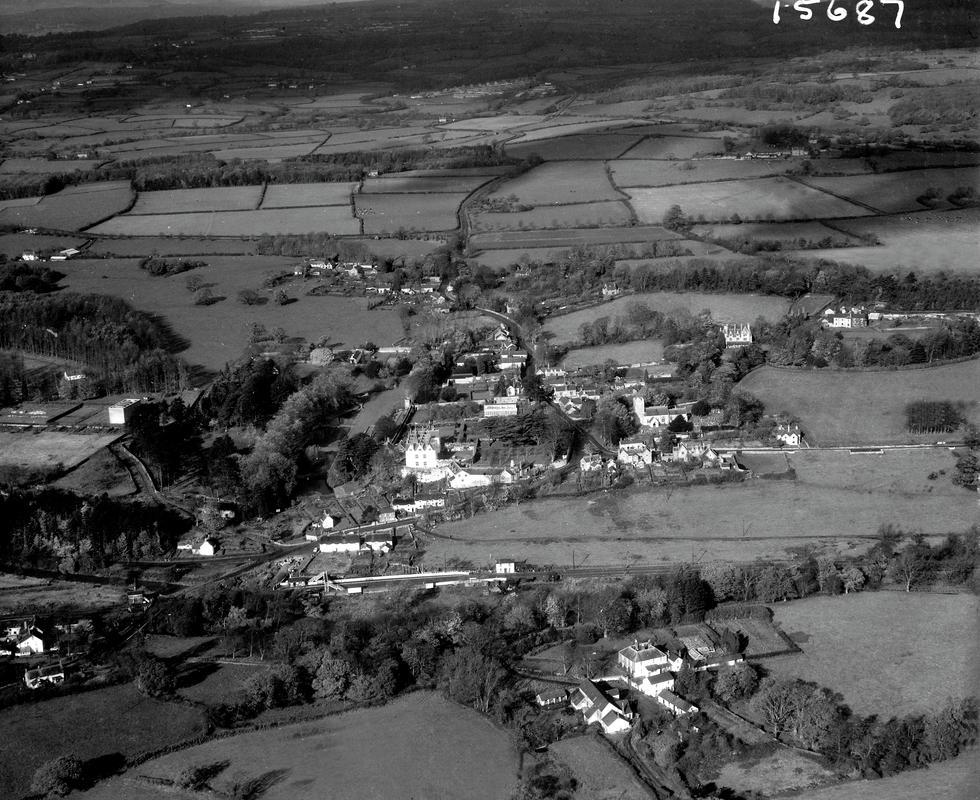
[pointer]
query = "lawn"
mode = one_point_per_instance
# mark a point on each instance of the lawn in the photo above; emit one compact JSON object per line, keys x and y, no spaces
{"x":674,"y":147}
{"x":419,"y":746}
{"x":559,"y":183}
{"x":575,"y":215}
{"x":219,"y":333}
{"x":887,"y":653}
{"x":91,"y":724}
{"x":222,"y":683}
{"x":175,"y":201}
{"x":636,"y":172}
{"x":893,"y":192}
{"x":71,"y":209}
{"x":930,"y":241}
{"x":782,"y":771}
{"x":386,"y":213}
{"x":641,"y":352}
{"x":826,"y":507}
{"x":950,"y":780}
{"x":868,"y":407}
{"x":336,"y":220}
{"x":723,"y":308}
{"x":601,"y":775}
{"x":757,"y":199}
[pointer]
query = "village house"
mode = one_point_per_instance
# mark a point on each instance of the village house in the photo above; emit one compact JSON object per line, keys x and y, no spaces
{"x":591,"y":463}
{"x":602,"y":706}
{"x":552,"y":697}
{"x":657,"y":416}
{"x":844,"y":317}
{"x":422,"y":449}
{"x":14,"y":628}
{"x":690,"y":450}
{"x":53,"y":674}
{"x":789,"y":434}
{"x":642,"y":659}
{"x":634,"y":454}
{"x":677,"y":706}
{"x":737,"y":333}
{"x":34,"y":643}
{"x":208,"y":547}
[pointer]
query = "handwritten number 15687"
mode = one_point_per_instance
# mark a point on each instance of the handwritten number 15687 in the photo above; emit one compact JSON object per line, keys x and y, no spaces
{"x":837,"y":14}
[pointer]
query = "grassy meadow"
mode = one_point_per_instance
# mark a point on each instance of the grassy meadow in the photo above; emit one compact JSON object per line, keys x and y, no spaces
{"x":420,"y":745}
{"x":888,"y":653}
{"x":868,"y":407}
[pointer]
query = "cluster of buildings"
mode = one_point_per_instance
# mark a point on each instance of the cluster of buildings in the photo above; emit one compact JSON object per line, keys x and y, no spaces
{"x":644,"y":668}
{"x":368,"y":279}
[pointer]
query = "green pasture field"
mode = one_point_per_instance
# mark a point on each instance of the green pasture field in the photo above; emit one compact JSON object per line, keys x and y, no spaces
{"x":826,"y":508}
{"x":102,"y":473}
{"x":396,"y":248}
{"x":868,"y":407}
{"x":19,"y":202}
{"x":782,"y":771}
{"x":41,"y":166}
{"x":98,"y":723}
{"x":641,"y":352}
{"x":43,"y":596}
{"x":178,"y":201}
{"x":789,"y":232}
{"x":577,"y":215}
{"x":13,"y":244}
{"x":500,"y":122}
{"x":723,"y":308}
{"x":308,"y":219}
{"x":224,"y":684}
{"x":674,"y":147}
{"x":291,"y":195}
{"x":420,"y":745}
{"x":46,"y":450}
{"x":888,"y":653}
{"x":571,"y":237}
{"x":397,"y":184}
{"x":143,"y":246}
{"x":570,"y":126}
{"x":71,"y":209}
{"x":219,"y":333}
{"x":599,"y":146}
{"x":930,"y":241}
{"x":756,"y":199}
{"x":599,"y":773}
{"x":951,"y":780}
{"x":272,"y":152}
{"x":893,"y":192}
{"x":559,"y":183}
{"x":632,"y":172}
{"x":165,"y":646}
{"x":387,"y":213}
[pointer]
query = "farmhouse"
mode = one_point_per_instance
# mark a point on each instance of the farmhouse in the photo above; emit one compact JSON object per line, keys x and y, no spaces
{"x":690,"y":450}
{"x":737,"y":333}
{"x":788,"y":434}
{"x":33,"y":643}
{"x":634,"y":454}
{"x":642,"y":659}
{"x":598,"y":706}
{"x":208,"y":547}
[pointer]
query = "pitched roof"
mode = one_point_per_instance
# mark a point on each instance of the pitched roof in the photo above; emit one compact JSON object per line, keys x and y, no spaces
{"x":679,"y":703}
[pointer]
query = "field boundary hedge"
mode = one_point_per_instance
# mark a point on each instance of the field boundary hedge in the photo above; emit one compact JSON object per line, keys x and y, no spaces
{"x":895,"y":368}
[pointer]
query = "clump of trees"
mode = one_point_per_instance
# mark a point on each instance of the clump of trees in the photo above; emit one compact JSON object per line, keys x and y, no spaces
{"x":162,"y":266}
{"x":933,"y":416}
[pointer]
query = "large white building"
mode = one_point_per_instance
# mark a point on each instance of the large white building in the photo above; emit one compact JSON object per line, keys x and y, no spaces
{"x":422,"y":448}
{"x":737,"y":333}
{"x":120,"y":413}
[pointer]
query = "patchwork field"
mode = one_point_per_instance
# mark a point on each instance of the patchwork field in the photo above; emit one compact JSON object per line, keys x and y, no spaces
{"x":723,"y":308}
{"x":576,"y":215}
{"x":869,"y":407}
{"x":37,"y":732}
{"x":893,"y":192}
{"x":635,"y":172}
{"x":929,"y":241}
{"x":432,"y":749}
{"x":825,"y":507}
{"x":292,"y":195}
{"x":387,"y":213}
{"x":42,"y":166}
{"x":559,"y":183}
{"x":329,"y":219}
{"x":642,"y":352}
{"x":169,"y":246}
{"x":760,"y":198}
{"x":397,"y":184}
{"x":674,"y":147}
{"x":71,"y":209}
{"x":597,"y":146}
{"x":218,"y":333}
{"x":790,"y":233}
{"x":850,"y":644}
{"x":512,"y":240}
{"x":176,"y":201}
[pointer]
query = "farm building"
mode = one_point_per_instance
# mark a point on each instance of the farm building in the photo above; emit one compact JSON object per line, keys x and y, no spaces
{"x":120,"y":413}
{"x":53,"y":674}
{"x":552,"y":697}
{"x":737,"y":333}
{"x":603,"y":706}
{"x":677,"y":706}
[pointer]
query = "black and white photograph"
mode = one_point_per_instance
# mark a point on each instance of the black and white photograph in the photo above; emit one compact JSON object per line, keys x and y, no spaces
{"x":490,"y":399}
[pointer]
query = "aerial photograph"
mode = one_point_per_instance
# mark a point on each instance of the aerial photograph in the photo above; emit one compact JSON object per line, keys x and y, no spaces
{"x":490,"y":399}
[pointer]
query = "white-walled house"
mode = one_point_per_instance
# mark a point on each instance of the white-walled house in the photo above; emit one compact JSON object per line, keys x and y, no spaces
{"x":656,"y":416}
{"x":641,"y":659}
{"x":208,"y":547}
{"x":32,"y":644}
{"x":737,"y":333}
{"x":422,"y":449}
{"x":790,"y":435}
{"x":597,"y":708}
{"x":634,"y":454}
